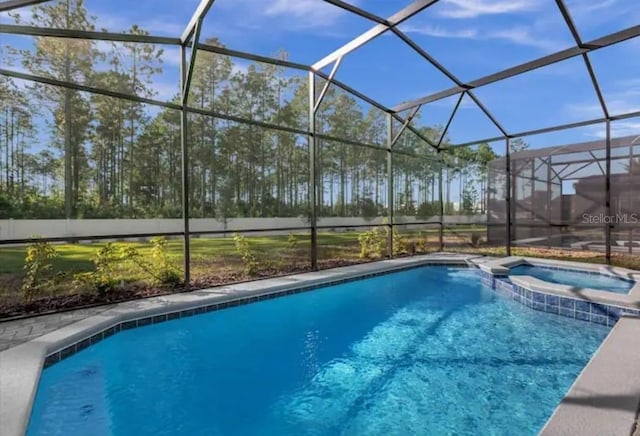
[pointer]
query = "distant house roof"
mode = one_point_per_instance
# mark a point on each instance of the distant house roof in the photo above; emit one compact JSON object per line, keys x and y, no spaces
{"x":557,"y":150}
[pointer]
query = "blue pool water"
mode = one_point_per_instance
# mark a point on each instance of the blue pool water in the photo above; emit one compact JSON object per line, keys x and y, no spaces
{"x":427,"y":351}
{"x":575,"y":278}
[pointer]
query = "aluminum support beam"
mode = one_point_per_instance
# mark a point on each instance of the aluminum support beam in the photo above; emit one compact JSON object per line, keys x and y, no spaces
{"x":555,"y":128}
{"x":427,"y":57}
{"x":390,"y":200}
{"x":396,"y":19}
{"x":150,"y":39}
{"x":358,"y":11}
{"x":376,"y":105}
{"x":588,"y":47}
{"x":14,"y":29}
{"x":585,"y":57}
{"x":596,"y":85}
{"x":450,"y":76}
{"x":407,"y":122}
{"x":607,"y":198}
{"x":569,"y":22}
{"x":489,"y":115}
{"x":326,"y":86}
{"x":583,"y":166}
{"x":351,"y":46}
{"x":596,"y":160}
{"x":187,"y":75}
{"x":465,"y":144}
{"x":450,"y":120}
{"x":91,"y":35}
{"x":84,"y":88}
{"x":184,"y":148}
{"x":508,"y":195}
{"x":252,"y":57}
{"x":176,"y":106}
{"x":549,"y":202}
{"x":440,"y":202}
{"x":198,"y":15}
{"x":313,"y":177}
{"x":15,"y":4}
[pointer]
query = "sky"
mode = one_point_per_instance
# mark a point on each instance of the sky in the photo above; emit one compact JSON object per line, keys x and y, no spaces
{"x":471,"y":38}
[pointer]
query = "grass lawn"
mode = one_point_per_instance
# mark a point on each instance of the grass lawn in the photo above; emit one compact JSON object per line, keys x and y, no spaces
{"x":77,"y":257}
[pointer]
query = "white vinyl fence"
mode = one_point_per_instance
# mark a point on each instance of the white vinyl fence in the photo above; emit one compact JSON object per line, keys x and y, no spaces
{"x":23,"y":229}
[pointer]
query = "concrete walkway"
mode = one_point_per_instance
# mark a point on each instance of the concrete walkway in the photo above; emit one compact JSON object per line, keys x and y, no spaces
{"x":17,"y":332}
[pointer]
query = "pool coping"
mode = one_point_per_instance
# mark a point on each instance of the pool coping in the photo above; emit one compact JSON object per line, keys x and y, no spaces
{"x":21,"y":366}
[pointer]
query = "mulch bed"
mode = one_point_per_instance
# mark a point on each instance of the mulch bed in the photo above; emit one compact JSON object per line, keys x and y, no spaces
{"x":12,"y":308}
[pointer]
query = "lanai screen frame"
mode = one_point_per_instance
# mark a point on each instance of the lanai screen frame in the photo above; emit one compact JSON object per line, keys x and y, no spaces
{"x":189,"y":42}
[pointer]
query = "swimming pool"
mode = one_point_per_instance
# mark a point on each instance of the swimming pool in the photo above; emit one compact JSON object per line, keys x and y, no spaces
{"x":423,"y":351}
{"x":575,"y":278}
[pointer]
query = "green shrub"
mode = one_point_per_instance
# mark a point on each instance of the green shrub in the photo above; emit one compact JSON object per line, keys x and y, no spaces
{"x":246,"y":254}
{"x":164,"y":271}
{"x":421,"y":244}
{"x":37,"y":268}
{"x":399,"y":243}
{"x":108,"y":264}
{"x":372,"y":243}
{"x":104,"y":279}
{"x":158,"y":267}
{"x":292,"y":242}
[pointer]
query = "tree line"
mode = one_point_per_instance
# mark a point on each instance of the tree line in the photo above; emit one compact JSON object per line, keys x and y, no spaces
{"x":71,"y":154}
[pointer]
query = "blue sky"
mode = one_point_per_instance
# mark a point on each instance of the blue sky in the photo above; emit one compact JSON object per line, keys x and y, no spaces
{"x":472,"y":38}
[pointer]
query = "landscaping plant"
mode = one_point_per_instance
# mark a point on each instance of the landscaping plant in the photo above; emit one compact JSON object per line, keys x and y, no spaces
{"x":38,"y":268}
{"x":372,"y":243}
{"x":246,"y":253}
{"x":105,"y":278}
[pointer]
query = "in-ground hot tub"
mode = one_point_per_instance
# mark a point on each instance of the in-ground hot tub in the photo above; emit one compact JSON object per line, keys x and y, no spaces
{"x":575,"y":277}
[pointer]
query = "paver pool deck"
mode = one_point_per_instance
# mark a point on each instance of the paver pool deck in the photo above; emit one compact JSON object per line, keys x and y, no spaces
{"x":603,"y":400}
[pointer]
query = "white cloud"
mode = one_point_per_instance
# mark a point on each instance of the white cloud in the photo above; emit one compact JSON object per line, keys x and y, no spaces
{"x":440,"y":32}
{"x":520,"y":35}
{"x":475,"y":8}
{"x":523,"y":36}
{"x":618,"y":129}
{"x":290,"y":14}
{"x":623,"y":98}
{"x":585,"y":111}
{"x":625,"y":128}
{"x":580,"y":7}
{"x":318,"y":13}
{"x":618,"y":103}
{"x":597,"y":18}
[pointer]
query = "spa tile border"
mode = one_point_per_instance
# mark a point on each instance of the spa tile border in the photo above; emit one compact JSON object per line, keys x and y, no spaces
{"x":590,"y":272}
{"x":76,"y":347}
{"x":597,"y":313}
